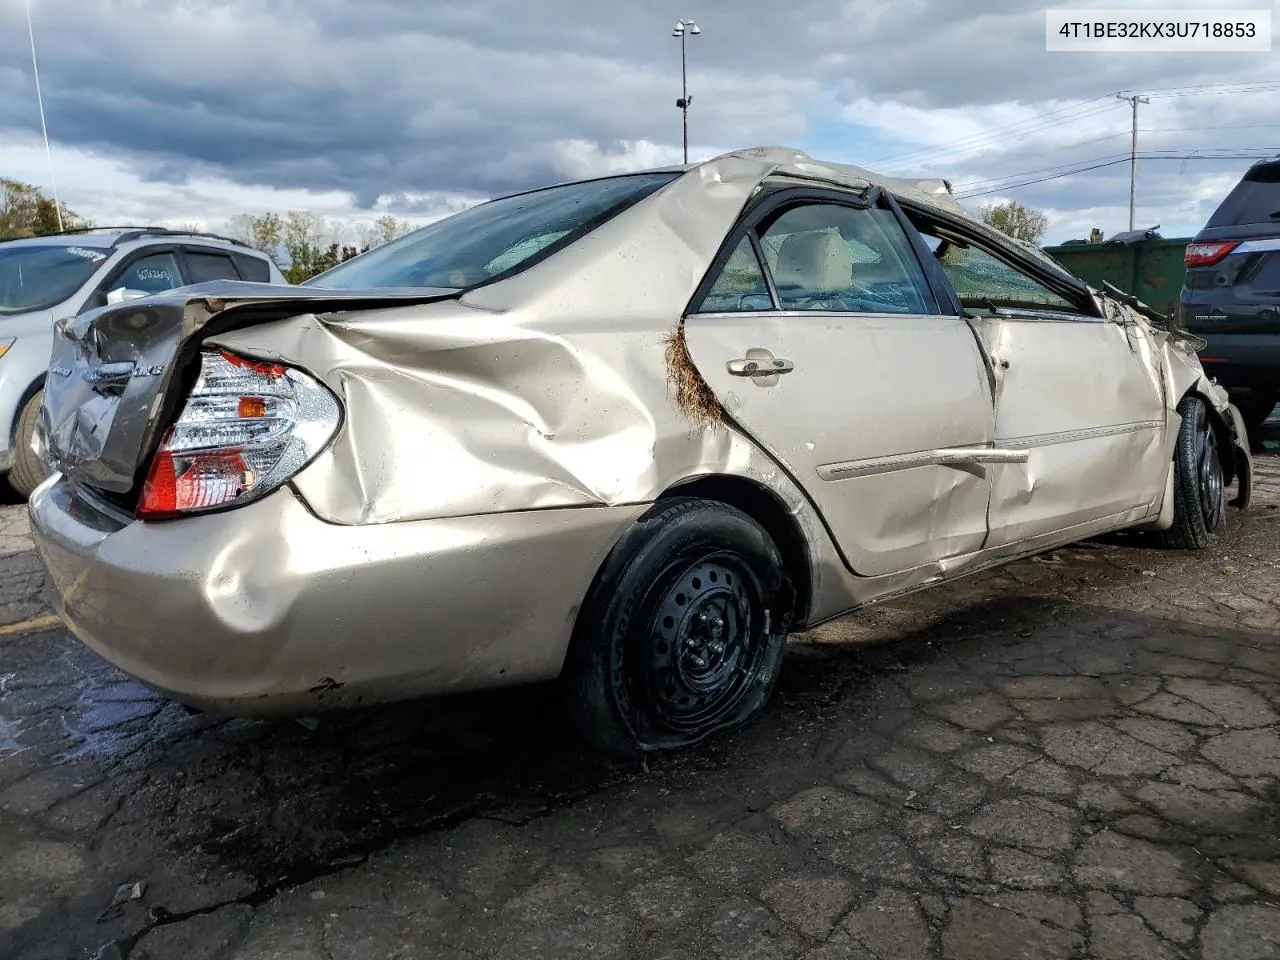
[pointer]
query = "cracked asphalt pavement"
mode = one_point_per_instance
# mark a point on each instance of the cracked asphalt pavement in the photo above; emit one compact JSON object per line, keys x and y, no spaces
{"x":1076,"y":756}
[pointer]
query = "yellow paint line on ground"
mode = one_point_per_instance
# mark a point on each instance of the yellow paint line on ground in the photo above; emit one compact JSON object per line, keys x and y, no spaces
{"x":28,"y":626}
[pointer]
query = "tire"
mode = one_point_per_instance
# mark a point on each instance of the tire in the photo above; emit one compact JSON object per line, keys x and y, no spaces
{"x":1199,"y":494}
{"x":681,"y":635}
{"x":27,"y":472}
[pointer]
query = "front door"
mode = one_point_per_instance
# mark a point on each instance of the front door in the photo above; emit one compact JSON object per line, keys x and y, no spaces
{"x":1079,"y":393}
{"x":823,"y":340}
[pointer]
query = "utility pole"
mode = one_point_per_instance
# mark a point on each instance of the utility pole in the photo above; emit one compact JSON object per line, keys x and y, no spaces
{"x":1134,"y":100}
{"x":682,"y":30}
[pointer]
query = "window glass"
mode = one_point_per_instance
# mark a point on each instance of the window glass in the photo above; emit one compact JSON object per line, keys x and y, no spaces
{"x":979,"y":279}
{"x":154,"y":274}
{"x":491,"y":239}
{"x":1255,"y":199}
{"x":825,"y":256}
{"x":253,"y":268}
{"x":203,"y":267}
{"x":37,"y":276}
{"x":741,"y":285}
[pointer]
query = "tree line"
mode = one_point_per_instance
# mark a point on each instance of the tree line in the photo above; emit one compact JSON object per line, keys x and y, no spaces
{"x":302,"y":243}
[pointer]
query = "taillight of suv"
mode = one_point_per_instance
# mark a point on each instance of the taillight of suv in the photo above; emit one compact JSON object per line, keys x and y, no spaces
{"x":247,"y":427}
{"x":1207,"y":254}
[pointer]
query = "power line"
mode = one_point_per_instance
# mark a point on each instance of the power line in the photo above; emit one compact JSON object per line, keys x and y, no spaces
{"x":1078,"y":111}
{"x":1059,"y":149}
{"x":1099,"y":166}
{"x":1207,"y":153}
{"x":1051,"y":118}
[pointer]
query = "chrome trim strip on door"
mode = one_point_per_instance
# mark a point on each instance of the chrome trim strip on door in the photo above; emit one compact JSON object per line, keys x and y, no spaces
{"x":1091,"y":433}
{"x":1031,"y":314}
{"x":950,"y":457}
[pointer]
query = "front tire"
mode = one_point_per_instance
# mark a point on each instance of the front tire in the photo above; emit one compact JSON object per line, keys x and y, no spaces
{"x":681,"y":635}
{"x":28,"y":472}
{"x":1199,"y":491}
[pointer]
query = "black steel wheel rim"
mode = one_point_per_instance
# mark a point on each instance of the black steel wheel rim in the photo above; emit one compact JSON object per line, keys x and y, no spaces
{"x":704,"y":646}
{"x":1208,"y":471}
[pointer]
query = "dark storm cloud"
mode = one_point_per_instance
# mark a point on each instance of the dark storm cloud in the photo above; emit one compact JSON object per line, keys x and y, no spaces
{"x":382,"y":97}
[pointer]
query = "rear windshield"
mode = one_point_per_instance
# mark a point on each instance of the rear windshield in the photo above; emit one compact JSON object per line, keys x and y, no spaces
{"x":37,"y":277}
{"x":1256,"y":199}
{"x":494,"y":239}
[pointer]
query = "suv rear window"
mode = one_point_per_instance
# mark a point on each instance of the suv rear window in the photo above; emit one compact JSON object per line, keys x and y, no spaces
{"x":1255,"y":199}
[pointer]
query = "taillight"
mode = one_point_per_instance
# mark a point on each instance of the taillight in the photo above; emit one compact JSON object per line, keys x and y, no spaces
{"x":247,"y":427}
{"x":1207,"y":254}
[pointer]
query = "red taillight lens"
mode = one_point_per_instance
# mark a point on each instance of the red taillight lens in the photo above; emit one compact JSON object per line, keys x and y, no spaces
{"x":246,"y":428}
{"x":1207,"y":254}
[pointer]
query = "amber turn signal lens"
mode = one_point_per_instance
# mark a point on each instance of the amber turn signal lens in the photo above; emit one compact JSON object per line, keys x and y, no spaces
{"x":251,"y":408}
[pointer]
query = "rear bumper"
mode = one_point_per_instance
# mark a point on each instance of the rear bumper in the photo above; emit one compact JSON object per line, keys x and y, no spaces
{"x":1242,"y":360}
{"x":269,"y":611}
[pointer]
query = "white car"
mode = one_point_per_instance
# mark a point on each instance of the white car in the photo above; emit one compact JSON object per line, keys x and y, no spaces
{"x":46,"y":279}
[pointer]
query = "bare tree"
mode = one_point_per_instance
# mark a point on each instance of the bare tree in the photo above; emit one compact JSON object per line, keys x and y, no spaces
{"x":1015,"y":220}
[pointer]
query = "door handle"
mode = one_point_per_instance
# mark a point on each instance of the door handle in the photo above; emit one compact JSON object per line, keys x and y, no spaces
{"x":754,"y":367}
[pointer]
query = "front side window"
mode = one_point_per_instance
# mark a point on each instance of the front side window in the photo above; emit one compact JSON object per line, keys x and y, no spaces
{"x":981,"y":280}
{"x":493,"y":239}
{"x":153,"y":274}
{"x":39,"y":276}
{"x":826,"y":256}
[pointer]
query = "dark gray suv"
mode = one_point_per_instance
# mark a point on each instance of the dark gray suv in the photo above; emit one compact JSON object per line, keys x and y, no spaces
{"x":1231,"y":294}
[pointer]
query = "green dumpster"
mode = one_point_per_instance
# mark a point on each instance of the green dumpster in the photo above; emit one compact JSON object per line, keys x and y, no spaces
{"x":1151,"y":270}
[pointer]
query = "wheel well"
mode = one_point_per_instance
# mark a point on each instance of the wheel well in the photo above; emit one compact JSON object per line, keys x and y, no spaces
{"x":763,"y":506}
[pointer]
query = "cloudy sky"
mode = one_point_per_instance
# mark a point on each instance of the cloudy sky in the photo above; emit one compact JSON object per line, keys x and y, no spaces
{"x":181,"y":111}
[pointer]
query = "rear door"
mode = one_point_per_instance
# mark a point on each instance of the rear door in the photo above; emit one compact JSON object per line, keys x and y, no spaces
{"x":1081,"y":394}
{"x":202,"y":264}
{"x":822,"y":337}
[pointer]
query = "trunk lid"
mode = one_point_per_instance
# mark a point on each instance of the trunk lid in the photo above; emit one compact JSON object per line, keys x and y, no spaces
{"x":113,"y":369}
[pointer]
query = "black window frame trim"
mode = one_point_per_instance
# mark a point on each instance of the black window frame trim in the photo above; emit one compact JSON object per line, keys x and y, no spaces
{"x":772,"y":202}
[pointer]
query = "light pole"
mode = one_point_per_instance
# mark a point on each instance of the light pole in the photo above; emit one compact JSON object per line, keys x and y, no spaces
{"x":683,"y":29}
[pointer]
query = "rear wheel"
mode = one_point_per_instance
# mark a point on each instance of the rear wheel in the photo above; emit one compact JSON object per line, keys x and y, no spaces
{"x":28,"y":471}
{"x":681,"y":636}
{"x":1199,"y":491}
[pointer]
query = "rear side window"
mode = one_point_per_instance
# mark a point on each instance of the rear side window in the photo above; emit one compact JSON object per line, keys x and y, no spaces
{"x":203,"y":267}
{"x":827,"y":256}
{"x":1255,"y":199}
{"x":254,"y":269}
{"x":741,"y":285}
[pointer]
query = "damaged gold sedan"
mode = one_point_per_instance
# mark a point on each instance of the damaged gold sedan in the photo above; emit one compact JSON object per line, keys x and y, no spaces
{"x":629,"y":433}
